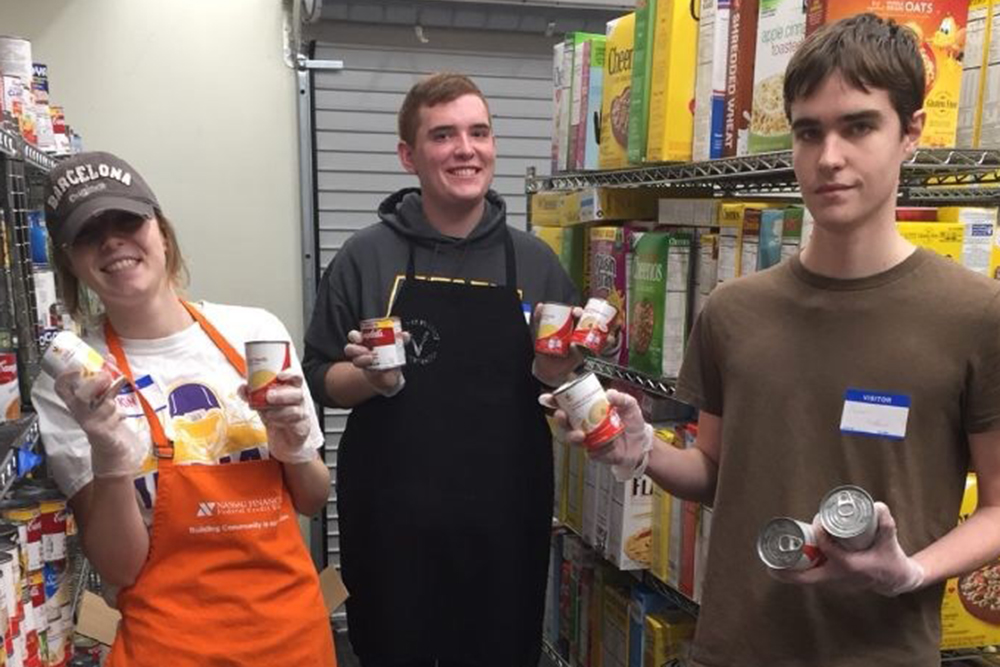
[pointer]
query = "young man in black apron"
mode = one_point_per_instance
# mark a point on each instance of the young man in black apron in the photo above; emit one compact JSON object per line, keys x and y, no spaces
{"x":444,"y":475}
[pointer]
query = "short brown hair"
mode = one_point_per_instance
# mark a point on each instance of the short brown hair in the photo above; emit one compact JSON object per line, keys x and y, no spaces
{"x":70,"y":284}
{"x":869,"y":52}
{"x":435,"y":89}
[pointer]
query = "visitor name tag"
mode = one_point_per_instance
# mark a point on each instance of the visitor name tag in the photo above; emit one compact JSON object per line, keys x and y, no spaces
{"x":526,"y":309}
{"x":874,"y":413}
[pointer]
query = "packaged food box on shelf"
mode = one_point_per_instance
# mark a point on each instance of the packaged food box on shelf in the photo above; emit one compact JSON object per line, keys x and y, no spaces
{"x":670,"y":129}
{"x":616,"y":98}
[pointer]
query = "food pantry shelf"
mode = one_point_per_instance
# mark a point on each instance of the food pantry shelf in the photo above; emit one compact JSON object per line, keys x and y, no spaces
{"x":772,"y":173}
{"x":678,"y":599}
{"x":552,"y":654}
{"x":14,"y":146}
{"x":654,"y":385}
{"x":19,"y":434}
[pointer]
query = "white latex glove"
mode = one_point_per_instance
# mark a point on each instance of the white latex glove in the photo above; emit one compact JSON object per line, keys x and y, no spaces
{"x":115,"y":449}
{"x":882,"y":568}
{"x":387,"y":383}
{"x":628,"y":454}
{"x":286,"y":419}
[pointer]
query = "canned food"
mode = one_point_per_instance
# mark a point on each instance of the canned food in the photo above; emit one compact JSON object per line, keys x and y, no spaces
{"x":28,"y":517}
{"x":10,"y":573}
{"x":594,"y":326}
{"x":847,"y":514}
{"x":587,"y":408}
{"x":57,"y":589}
{"x":555,"y":329}
{"x":68,"y":352}
{"x":52,"y":506}
{"x":788,"y":544}
{"x":384,"y":337}
{"x":265,"y":359}
{"x":10,"y":392}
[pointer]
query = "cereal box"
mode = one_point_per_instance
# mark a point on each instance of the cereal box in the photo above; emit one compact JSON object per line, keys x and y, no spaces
{"x":576,"y":464}
{"x":944,"y":238}
{"x":667,"y":638}
{"x":781,"y":26}
{"x":970,"y":613}
{"x":974,"y":62}
{"x":591,"y":494}
{"x":671,"y":92}
{"x":710,"y":79}
{"x":550,"y":627}
{"x":614,"y":629}
{"x":642,"y":77}
{"x":630,"y":529}
{"x":706,"y":271}
{"x":941,"y":27}
{"x":579,"y":62}
{"x":597,"y":204}
{"x":608,"y":255}
{"x":616,"y":104}
{"x":591,"y":107}
{"x":701,"y":552}
{"x":645,"y":601}
{"x":989,"y":127}
{"x":658,"y":301}
{"x":772,"y":225}
{"x":750,"y":249}
{"x":791,"y":231}
{"x":978,"y":237}
{"x":560,"y":106}
{"x":569,"y":244}
{"x":547,"y":209}
{"x":739,"y":77}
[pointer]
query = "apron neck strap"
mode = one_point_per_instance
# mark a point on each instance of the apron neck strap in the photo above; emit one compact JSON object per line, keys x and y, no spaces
{"x":163,"y":446}
{"x":510,"y":260}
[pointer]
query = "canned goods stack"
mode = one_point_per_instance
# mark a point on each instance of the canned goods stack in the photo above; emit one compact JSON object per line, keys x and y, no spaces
{"x":34,"y":577}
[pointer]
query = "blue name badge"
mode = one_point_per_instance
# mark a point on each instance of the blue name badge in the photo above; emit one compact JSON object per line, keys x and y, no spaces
{"x":874,"y":413}
{"x":526,"y":308}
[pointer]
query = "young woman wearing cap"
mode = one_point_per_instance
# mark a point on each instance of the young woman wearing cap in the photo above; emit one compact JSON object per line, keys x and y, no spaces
{"x":210,"y":563}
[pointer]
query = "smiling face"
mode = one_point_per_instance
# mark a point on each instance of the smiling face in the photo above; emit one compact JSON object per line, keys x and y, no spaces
{"x":122,"y":257}
{"x":847,"y":148}
{"x":453,"y":154}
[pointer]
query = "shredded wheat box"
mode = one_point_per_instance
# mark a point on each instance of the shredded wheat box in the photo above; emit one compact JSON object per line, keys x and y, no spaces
{"x":740,"y":77}
{"x":781,"y":26}
{"x":658,"y":301}
{"x":940,"y":26}
{"x":642,"y":76}
{"x":989,"y":128}
{"x":974,"y":63}
{"x":630,"y":524}
{"x":710,"y":79}
{"x":616,"y":104}
{"x":670,"y":127}
{"x":970,"y":612}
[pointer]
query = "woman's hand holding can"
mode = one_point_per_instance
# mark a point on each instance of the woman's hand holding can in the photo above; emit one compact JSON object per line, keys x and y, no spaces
{"x":286,"y":419}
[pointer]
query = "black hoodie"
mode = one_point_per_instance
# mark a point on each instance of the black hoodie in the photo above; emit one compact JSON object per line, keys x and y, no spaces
{"x":359,"y":282}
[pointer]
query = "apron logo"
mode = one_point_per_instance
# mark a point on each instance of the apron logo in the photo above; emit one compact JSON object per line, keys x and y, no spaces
{"x":206,"y":509}
{"x":424,"y":342}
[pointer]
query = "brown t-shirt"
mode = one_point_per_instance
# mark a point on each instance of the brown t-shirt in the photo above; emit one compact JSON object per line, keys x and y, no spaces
{"x":774,"y":354}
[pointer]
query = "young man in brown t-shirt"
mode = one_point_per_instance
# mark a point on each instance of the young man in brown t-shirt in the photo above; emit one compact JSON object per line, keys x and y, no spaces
{"x":785,"y":364}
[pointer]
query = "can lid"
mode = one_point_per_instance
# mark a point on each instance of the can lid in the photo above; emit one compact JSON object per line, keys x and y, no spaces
{"x":572,"y":383}
{"x":7,"y":528}
{"x":780,"y":543}
{"x":15,"y":504}
{"x":35,"y":493}
{"x":847,"y":511}
{"x":7,"y":544}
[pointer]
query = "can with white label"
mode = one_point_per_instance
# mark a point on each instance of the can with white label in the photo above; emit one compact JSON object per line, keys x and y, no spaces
{"x":588,"y":410}
{"x":788,"y":544}
{"x":384,"y":337}
{"x":265,"y":359}
{"x":594,"y":326}
{"x":847,"y":514}
{"x":67,"y":352}
{"x":555,"y":329}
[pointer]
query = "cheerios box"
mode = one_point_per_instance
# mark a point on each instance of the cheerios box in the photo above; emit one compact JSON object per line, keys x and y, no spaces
{"x":940,"y":25}
{"x":630,"y":524}
{"x":617,"y":93}
{"x":970,"y":613}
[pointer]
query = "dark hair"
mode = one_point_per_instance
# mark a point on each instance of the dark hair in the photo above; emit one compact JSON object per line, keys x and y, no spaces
{"x":435,"y":89}
{"x":869,"y":52}
{"x":176,"y":268}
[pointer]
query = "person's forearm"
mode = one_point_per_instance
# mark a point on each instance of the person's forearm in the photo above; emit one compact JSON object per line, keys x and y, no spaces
{"x":309,"y":484}
{"x":347,"y":385}
{"x":115,"y":539}
{"x":966,"y":547}
{"x":685,"y":473}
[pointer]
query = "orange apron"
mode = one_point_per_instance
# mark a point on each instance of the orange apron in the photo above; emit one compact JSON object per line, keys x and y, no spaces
{"x":228,"y":580}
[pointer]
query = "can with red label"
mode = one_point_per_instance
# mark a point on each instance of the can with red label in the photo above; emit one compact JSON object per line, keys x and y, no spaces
{"x":68,"y":352}
{"x":594,"y":326}
{"x":384,"y":337}
{"x":587,"y":408}
{"x":555,"y":329}
{"x":52,"y":505}
{"x":265,"y":359}
{"x":10,"y":392}
{"x":847,"y":514}
{"x":28,"y":518}
{"x":788,"y":544}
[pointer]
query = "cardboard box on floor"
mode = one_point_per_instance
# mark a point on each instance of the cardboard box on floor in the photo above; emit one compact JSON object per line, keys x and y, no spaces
{"x":99,"y":622}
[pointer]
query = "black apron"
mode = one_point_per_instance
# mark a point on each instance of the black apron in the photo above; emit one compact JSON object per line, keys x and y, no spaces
{"x":444,"y":492}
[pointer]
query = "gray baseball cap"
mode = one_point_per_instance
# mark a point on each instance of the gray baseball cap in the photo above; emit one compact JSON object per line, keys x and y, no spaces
{"x":87,"y":185}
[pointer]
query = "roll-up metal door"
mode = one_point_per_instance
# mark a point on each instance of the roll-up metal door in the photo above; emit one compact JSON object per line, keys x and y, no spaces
{"x":355,"y":150}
